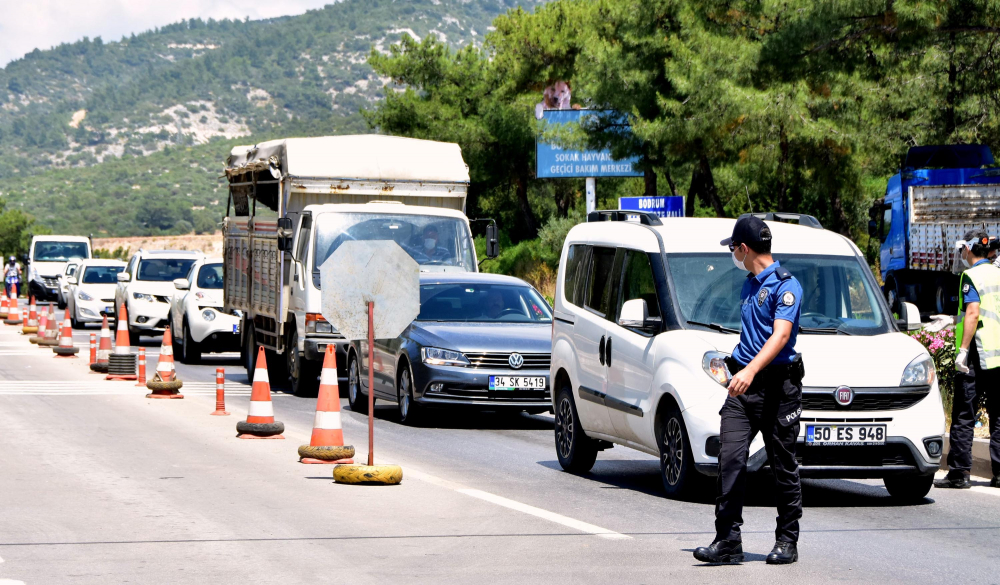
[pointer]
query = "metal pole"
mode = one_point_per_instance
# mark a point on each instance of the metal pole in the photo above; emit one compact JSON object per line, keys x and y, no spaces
{"x":371,"y":383}
{"x":591,"y":194}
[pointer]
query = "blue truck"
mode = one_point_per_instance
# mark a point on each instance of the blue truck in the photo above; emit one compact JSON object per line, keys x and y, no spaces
{"x":940,"y":193}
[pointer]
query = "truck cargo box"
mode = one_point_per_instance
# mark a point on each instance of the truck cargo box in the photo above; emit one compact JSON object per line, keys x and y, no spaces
{"x":941,"y":215}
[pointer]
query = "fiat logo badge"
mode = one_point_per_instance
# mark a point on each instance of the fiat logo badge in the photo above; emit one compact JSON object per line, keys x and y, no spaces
{"x":515,"y":360}
{"x":844,"y":395}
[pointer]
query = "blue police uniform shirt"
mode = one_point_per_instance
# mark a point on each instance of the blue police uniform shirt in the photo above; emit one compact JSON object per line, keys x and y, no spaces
{"x":969,"y":292}
{"x":764,"y":298}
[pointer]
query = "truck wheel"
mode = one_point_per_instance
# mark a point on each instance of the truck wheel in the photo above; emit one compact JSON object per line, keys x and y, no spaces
{"x":907,"y":489}
{"x":410,"y":413}
{"x":892,"y":294}
{"x":576,"y":451}
{"x":249,"y":352}
{"x":357,"y":399}
{"x":676,"y":463}
{"x":303,"y":374}
{"x":190,"y":351}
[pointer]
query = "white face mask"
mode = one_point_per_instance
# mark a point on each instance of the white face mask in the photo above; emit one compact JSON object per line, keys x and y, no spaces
{"x":739,"y":263}
{"x":430,"y":243}
{"x":965,"y":262}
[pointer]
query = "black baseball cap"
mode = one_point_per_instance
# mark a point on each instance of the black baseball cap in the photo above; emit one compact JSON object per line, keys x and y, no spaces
{"x":977,"y":237}
{"x":748,"y":229}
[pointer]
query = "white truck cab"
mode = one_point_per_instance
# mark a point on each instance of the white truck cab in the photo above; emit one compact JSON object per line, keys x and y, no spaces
{"x":646,"y":309}
{"x":47,"y":260}
{"x":292,"y":202}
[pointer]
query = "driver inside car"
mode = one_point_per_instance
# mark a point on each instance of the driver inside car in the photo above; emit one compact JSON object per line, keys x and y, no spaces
{"x":494,"y":305}
{"x":430,"y":247}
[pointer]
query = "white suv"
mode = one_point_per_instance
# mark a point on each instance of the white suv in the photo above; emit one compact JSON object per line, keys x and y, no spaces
{"x":647,"y":309}
{"x":146,"y":286}
{"x":198,"y":322}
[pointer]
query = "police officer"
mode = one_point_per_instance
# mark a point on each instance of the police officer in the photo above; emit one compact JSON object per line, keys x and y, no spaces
{"x":765,"y":395}
{"x":977,"y":340}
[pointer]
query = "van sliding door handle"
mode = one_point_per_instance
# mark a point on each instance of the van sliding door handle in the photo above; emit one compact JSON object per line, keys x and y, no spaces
{"x":600,"y":350}
{"x":607,"y":352}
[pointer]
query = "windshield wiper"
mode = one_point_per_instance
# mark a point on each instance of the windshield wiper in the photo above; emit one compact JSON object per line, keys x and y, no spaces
{"x":828,"y":330}
{"x":715,"y":326}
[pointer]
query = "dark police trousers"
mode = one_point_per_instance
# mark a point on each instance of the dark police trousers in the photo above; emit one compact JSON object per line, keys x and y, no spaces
{"x":970,"y":389}
{"x":772,"y":406}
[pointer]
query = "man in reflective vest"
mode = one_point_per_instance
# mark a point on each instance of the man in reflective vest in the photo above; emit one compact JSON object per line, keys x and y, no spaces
{"x":977,"y":339}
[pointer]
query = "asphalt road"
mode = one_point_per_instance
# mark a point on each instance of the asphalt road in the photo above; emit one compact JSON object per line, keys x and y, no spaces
{"x":101,"y":485}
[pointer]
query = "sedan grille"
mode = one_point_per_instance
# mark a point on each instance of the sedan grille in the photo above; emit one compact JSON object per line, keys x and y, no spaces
{"x":500,"y":360}
{"x":865,"y":399}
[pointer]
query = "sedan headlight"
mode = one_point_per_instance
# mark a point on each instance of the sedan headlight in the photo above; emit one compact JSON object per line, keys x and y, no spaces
{"x":84,"y":296}
{"x":920,"y":372}
{"x":208,"y":315}
{"x":714,"y":364}
{"x":442,"y":357}
{"x":143,"y":297}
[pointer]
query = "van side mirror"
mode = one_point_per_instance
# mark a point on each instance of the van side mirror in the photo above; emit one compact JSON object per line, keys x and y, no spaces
{"x":285,"y":235}
{"x":492,"y":243}
{"x":909,"y":317}
{"x":634,"y":314}
{"x":124,"y":277}
{"x":182,"y":284}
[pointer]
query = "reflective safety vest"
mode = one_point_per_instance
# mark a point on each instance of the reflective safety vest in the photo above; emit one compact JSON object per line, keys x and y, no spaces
{"x":986,"y":279}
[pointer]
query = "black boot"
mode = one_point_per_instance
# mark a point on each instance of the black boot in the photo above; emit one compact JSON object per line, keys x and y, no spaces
{"x":995,"y":482}
{"x":956,"y":483}
{"x":720,"y":551}
{"x":783,"y":553}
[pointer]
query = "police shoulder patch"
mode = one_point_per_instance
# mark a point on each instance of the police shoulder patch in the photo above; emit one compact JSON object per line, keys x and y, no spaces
{"x":965,"y":289}
{"x":762,"y":296}
{"x":788,"y":299}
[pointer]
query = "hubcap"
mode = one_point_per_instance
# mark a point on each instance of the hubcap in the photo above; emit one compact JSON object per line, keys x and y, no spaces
{"x":352,"y":382}
{"x":673,"y":451}
{"x":404,"y":391}
{"x":564,"y":428}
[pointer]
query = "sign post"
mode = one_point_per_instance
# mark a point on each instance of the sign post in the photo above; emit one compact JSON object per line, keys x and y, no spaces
{"x":358,"y":277}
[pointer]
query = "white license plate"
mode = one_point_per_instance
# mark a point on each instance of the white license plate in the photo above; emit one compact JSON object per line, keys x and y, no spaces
{"x":845,"y":434}
{"x":517,"y":382}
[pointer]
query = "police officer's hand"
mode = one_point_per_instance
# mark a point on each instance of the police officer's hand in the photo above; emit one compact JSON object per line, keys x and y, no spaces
{"x":740,"y":383}
{"x":961,"y":362}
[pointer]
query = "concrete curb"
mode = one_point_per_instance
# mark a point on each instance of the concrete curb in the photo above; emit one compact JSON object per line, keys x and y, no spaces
{"x":981,"y":464}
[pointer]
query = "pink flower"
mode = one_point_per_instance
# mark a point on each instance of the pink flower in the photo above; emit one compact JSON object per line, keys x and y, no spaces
{"x":936,"y":345}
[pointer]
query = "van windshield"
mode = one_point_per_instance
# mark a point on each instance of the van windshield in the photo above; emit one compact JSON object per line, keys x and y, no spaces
{"x":838,"y":296}
{"x":430,"y":240}
{"x":59,"y":251}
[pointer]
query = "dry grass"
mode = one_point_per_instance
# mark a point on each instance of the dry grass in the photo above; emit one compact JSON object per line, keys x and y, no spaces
{"x":210,"y":244}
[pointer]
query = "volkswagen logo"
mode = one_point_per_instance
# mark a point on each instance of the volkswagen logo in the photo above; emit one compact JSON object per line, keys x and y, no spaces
{"x":843,"y":395}
{"x":516,"y":360}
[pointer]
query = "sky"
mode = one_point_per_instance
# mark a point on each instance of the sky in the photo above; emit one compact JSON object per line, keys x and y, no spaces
{"x":43,"y":24}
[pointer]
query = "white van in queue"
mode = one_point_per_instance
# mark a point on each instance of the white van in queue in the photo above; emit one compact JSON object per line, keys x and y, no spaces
{"x":646,"y":310}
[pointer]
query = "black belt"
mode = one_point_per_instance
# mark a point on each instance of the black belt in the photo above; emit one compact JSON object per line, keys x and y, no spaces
{"x":795,"y":370}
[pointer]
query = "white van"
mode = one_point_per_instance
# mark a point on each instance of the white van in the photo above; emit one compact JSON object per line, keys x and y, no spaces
{"x":647,"y":309}
{"x":47,"y":260}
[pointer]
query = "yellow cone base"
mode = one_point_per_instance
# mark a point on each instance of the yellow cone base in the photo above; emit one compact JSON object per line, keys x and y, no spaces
{"x":29,"y":330}
{"x":368,"y":474}
{"x":321,"y":462}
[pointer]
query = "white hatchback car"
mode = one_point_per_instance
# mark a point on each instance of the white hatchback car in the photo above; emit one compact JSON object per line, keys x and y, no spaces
{"x":197,"y":321}
{"x":146,"y":286}
{"x":645,"y":311}
{"x":91,"y":291}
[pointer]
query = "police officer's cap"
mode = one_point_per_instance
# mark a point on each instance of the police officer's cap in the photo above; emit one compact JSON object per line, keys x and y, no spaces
{"x":748,"y":229}
{"x":977,"y":237}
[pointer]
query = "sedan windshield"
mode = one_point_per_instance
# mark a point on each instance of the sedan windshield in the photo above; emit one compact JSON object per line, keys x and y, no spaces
{"x":164,"y":269}
{"x":837,"y":295}
{"x":101,"y":274}
{"x":487,"y":303}
{"x":59,"y":251}
{"x":430,"y":240}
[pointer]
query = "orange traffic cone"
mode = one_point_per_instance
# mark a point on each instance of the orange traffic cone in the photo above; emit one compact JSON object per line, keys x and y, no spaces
{"x":103,"y":349}
{"x":327,"y":442}
{"x":122,"y":362}
{"x":43,"y":325}
{"x":260,"y":422}
{"x":66,"y":347}
{"x":14,"y":314}
{"x":4,"y":305}
{"x":51,"y":330}
{"x":31,"y":325}
{"x":165,"y":383}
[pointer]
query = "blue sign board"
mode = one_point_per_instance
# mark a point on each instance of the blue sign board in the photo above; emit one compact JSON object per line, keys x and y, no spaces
{"x":661,"y":206}
{"x":553,"y":162}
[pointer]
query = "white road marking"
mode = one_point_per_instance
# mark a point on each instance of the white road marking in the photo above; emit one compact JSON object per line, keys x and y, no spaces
{"x":518,"y":506}
{"x":10,"y":582}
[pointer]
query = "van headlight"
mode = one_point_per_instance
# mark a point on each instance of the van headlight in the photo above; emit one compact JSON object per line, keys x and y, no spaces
{"x":920,"y":372}
{"x":442,"y":357}
{"x":714,"y":364}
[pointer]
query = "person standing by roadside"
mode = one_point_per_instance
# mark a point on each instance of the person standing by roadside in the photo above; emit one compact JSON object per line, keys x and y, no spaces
{"x":11,"y":275}
{"x":765,"y":395}
{"x":977,"y":340}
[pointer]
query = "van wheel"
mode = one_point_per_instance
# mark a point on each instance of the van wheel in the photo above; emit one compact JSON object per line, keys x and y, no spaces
{"x":410,"y":413}
{"x":576,"y":451}
{"x":676,"y":463}
{"x":357,"y":399}
{"x":908,"y":489}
